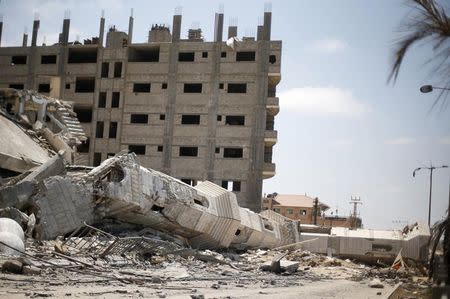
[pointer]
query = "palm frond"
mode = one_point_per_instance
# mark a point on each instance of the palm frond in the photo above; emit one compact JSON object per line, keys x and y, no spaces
{"x":429,"y":23}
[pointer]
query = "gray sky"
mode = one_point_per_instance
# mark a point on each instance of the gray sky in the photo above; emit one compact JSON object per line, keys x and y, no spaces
{"x":342,"y":130}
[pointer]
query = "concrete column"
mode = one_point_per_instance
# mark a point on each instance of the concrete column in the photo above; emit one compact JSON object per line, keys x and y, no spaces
{"x":260,"y":32}
{"x":232,"y":31}
{"x":176,"y":28}
{"x":22,"y":104}
{"x":65,"y":33}
{"x":55,"y":87}
{"x":101,"y":33}
{"x":218,"y":27}
{"x":267,"y":25}
{"x":130,"y":28}
{"x":35,"y":33}
{"x":1,"y":30}
{"x":172,"y":94}
{"x":25,"y":40}
{"x":42,"y":110}
{"x":63,"y":52}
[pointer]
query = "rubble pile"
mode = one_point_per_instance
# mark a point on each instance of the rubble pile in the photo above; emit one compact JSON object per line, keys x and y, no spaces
{"x":171,"y":269}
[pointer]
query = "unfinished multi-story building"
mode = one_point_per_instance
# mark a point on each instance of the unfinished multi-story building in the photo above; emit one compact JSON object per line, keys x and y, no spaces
{"x":192,"y":109}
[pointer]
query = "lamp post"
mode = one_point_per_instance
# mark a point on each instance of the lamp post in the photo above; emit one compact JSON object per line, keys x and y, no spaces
{"x":429,"y":88}
{"x":426,"y":89}
{"x":431,"y":169}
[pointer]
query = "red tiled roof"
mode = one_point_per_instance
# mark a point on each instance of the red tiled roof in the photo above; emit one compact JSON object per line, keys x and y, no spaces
{"x":292,"y":200}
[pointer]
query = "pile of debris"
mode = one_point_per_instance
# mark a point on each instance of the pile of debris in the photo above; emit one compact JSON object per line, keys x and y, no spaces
{"x":92,"y":262}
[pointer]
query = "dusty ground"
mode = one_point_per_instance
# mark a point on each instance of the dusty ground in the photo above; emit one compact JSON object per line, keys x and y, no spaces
{"x":199,"y":274}
{"x":14,"y":286}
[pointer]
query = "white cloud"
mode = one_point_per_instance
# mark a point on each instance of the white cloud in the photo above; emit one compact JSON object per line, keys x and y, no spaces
{"x":329,"y":45}
{"x":322,"y":100}
{"x":445,"y":140}
{"x":400,"y":141}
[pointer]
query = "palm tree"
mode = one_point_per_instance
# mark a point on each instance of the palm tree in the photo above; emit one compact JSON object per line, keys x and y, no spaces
{"x":428,"y":23}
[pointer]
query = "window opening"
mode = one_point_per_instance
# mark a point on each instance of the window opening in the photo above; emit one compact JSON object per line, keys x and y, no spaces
{"x":188,"y":151}
{"x":237,"y":88}
{"x":112,"y":129}
{"x":192,"y":87}
{"x":139,"y":119}
{"x":138,"y":149}
{"x":232,"y":152}
{"x":99,"y":130}
{"x":187,"y":119}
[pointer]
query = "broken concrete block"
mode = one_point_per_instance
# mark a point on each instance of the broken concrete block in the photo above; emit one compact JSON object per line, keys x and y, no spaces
{"x":18,"y":151}
{"x":12,"y":266}
{"x":31,"y":270}
{"x":376,"y":283}
{"x":54,"y":166}
{"x":11,"y":237}
{"x":280,"y":266}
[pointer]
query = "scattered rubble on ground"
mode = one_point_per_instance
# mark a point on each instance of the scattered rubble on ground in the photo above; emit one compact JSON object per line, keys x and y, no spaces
{"x":166,"y":269}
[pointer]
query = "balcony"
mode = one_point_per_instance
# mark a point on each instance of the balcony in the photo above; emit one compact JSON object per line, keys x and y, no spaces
{"x":274,"y":77}
{"x":273,"y":105}
{"x":270,"y":137}
{"x":268,"y":170}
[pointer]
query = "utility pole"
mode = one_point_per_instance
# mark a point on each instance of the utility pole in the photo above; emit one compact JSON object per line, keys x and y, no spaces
{"x":355,"y":200}
{"x":447,"y":239}
{"x":431,"y":168}
{"x":316,"y":206}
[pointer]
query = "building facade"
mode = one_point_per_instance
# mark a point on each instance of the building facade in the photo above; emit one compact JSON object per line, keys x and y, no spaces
{"x":307,"y":210}
{"x":192,"y":109}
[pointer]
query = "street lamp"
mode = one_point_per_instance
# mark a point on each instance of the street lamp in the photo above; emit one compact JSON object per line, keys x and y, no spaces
{"x":431,"y":168}
{"x":429,"y":88}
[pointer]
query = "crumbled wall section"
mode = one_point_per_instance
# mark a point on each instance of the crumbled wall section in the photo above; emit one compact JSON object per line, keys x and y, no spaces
{"x":289,"y":229}
{"x":64,"y":205}
{"x":207,"y":215}
{"x":17,"y":195}
{"x":256,"y":231}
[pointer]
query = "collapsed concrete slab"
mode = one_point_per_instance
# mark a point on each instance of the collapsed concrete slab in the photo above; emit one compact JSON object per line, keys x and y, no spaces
{"x":207,"y":215}
{"x":33,"y":127}
{"x":371,"y":245}
{"x":18,"y":151}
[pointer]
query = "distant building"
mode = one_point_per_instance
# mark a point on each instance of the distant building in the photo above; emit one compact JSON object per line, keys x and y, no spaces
{"x":307,"y":210}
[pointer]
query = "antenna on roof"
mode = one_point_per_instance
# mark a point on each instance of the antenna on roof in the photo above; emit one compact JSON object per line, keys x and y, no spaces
{"x":268,"y":7}
{"x":355,"y":200}
{"x":221,"y":8}
{"x":132,"y":11}
{"x":103,"y":13}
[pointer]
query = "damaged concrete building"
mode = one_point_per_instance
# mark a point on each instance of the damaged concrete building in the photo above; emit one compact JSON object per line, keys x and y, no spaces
{"x":193,"y":109}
